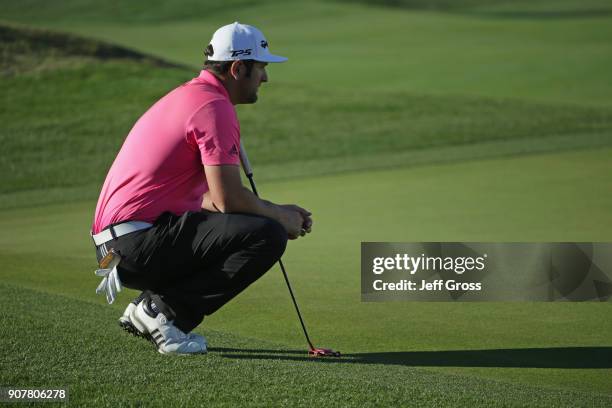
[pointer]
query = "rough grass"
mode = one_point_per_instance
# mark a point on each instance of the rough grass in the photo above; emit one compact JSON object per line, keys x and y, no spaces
{"x":25,"y":49}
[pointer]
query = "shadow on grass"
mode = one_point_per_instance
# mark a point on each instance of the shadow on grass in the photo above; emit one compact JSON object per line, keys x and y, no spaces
{"x":557,"y":357}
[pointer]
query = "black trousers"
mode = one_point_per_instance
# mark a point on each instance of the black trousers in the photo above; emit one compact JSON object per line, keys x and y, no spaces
{"x":199,"y":261}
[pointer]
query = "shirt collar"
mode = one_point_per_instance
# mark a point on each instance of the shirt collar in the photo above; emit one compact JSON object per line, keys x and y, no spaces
{"x":211,"y":79}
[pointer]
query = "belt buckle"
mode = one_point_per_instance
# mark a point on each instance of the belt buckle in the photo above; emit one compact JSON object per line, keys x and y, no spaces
{"x":108,"y":259}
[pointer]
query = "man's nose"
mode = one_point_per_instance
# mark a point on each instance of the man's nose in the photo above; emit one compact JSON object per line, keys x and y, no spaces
{"x":264,"y":78}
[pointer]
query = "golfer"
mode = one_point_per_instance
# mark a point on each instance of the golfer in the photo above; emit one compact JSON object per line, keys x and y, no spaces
{"x":173,"y":219}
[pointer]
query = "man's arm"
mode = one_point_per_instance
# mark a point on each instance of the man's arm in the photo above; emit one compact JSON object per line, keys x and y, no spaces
{"x":227,"y":194}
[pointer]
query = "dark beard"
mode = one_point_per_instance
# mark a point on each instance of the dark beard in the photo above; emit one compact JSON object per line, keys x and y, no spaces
{"x":252,"y":98}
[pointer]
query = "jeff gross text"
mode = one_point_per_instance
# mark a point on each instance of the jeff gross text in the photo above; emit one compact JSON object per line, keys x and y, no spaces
{"x":414,"y":264}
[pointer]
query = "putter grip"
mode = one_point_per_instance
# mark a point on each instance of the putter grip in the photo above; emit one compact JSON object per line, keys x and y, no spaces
{"x":244,"y":159}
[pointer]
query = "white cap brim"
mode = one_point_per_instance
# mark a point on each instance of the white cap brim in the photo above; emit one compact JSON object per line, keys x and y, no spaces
{"x":272,"y":58}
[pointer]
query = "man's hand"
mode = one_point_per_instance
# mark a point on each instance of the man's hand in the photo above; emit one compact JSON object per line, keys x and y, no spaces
{"x":227,"y":195}
{"x":296,"y":220}
{"x":306,"y":217}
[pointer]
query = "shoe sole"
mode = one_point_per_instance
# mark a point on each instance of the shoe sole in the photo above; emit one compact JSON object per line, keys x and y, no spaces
{"x":127,"y":326}
{"x":131,"y":329}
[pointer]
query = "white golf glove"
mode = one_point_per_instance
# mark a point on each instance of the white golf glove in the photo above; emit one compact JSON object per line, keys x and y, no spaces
{"x":111,"y":284}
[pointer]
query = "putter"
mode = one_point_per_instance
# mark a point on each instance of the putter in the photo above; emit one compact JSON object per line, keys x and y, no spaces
{"x":313,"y":351}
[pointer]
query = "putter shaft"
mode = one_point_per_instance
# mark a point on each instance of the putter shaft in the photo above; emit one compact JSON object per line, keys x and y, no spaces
{"x":246,"y":165}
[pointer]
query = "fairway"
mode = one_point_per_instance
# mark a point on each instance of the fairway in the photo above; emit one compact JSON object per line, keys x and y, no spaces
{"x":493,"y":123}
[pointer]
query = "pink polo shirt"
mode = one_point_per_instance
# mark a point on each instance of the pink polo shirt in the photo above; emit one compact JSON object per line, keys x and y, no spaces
{"x":161,"y":164}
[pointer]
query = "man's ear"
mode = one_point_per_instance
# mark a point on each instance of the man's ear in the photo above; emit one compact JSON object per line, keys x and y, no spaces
{"x":236,"y":69}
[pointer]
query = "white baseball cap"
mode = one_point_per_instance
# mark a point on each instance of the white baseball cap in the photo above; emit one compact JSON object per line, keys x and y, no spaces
{"x":241,"y":42}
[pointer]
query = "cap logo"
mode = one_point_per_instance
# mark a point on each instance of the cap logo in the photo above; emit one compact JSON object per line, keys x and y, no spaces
{"x":237,"y":53}
{"x":264,"y":44}
{"x":209,"y":51}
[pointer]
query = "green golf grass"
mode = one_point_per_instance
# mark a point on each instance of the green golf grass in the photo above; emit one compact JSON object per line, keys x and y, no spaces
{"x":469,"y":49}
{"x":551,"y":347}
{"x":69,"y":347}
{"x":83,"y":106}
{"x":494,"y":123}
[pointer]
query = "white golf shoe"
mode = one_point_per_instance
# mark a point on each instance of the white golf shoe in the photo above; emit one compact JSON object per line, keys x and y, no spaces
{"x":125,"y":321}
{"x":156,"y":327}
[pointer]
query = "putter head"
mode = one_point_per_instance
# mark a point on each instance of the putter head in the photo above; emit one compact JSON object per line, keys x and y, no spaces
{"x":323,"y":352}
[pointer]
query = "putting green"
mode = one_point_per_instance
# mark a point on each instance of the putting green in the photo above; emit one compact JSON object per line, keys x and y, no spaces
{"x":554,"y":197}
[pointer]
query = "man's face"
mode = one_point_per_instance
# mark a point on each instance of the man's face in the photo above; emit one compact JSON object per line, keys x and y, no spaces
{"x":249,"y":85}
